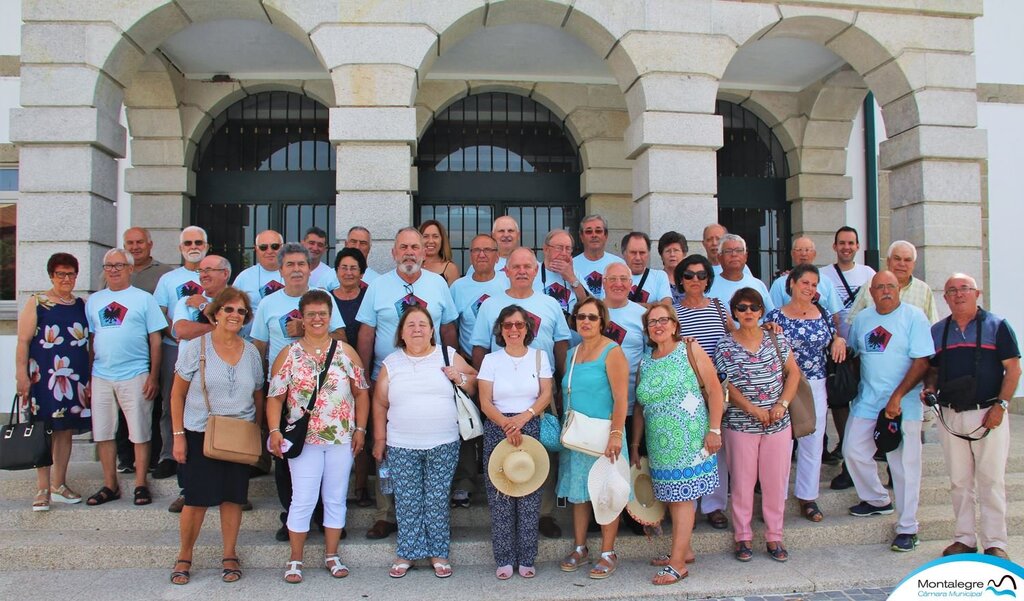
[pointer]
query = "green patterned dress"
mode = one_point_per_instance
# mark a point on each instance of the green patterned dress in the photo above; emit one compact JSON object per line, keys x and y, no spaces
{"x":676,"y":421}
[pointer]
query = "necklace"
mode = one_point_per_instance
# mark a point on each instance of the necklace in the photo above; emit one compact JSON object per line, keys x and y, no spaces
{"x":417,"y":360}
{"x":516,"y":361}
{"x":318,"y":348}
{"x":68,"y":300}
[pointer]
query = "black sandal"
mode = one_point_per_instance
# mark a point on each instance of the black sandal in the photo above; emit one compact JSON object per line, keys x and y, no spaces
{"x":103,"y":495}
{"x":779,"y":553}
{"x":142,"y":495}
{"x":810,"y":510}
{"x":743,"y":551}
{"x":231,"y":574}
{"x":181,"y":577}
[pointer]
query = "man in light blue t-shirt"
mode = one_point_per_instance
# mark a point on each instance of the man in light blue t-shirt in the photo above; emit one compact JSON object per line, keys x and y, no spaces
{"x":188,"y":320}
{"x":893,"y":340}
{"x":626,"y":326}
{"x":360,"y":239}
{"x":124,"y":334}
{"x":732,"y":253}
{"x":469,"y":292}
{"x":174,"y":285}
{"x":649,"y":286}
{"x":804,"y":252}
{"x":264,"y":277}
{"x":590,"y":265}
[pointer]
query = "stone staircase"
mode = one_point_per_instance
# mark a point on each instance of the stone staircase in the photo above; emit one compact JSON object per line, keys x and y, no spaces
{"x":119,"y":536}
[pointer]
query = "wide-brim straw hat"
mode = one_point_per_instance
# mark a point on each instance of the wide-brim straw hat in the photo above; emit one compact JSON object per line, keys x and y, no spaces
{"x":644,"y":507}
{"x":518,"y":471}
{"x":608,"y":485}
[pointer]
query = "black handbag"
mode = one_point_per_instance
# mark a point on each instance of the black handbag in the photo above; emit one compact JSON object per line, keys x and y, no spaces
{"x":24,"y":445}
{"x":841,"y":379}
{"x":295,"y":432}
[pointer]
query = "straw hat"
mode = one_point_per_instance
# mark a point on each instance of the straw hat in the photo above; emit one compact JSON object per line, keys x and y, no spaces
{"x":608,"y":485}
{"x":645,"y":508}
{"x":518,"y":472}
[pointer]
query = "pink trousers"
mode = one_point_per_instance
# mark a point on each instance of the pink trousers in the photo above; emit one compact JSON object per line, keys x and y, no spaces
{"x":753,"y":457}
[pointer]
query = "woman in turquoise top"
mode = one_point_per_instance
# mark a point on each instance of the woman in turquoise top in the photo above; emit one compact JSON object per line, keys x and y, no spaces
{"x":600,"y":378}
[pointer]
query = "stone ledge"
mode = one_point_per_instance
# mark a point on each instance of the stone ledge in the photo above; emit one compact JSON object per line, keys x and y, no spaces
{"x":10,"y":66}
{"x":1001,"y":93}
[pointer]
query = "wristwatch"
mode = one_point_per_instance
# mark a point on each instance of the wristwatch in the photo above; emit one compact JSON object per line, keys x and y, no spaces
{"x":1004,"y":404}
{"x":717,"y":431}
{"x":202,"y":306}
{"x":462,"y":379}
{"x":574,"y":283}
{"x":784,"y":403}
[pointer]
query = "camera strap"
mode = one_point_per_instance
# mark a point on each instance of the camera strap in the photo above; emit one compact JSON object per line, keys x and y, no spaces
{"x":942,"y":374}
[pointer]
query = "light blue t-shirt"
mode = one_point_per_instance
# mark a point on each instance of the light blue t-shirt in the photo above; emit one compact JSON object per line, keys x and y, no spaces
{"x":258,"y":283}
{"x":468,"y":294}
{"x":718,"y":270}
{"x":549,"y":323}
{"x":382,"y":308}
{"x":723,"y":290}
{"x":183,"y":312}
{"x":887,"y":345}
{"x":627,"y":329}
{"x":175,"y":285}
{"x":369,"y":275}
{"x":323,"y":277}
{"x":656,"y":286}
{"x":555,"y":286}
{"x":828,"y":297}
{"x":499,"y":267}
{"x":272,"y":318}
{"x":121,"y":323}
{"x":592,"y":272}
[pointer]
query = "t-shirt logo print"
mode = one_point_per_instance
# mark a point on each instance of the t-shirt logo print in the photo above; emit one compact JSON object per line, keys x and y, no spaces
{"x":594,"y":281}
{"x":292,"y":315}
{"x":113,"y":315}
{"x":188,"y":289}
{"x":615,"y":332}
{"x":536,"y":322}
{"x":638,"y":296}
{"x":407,"y":301}
{"x":560,"y":293}
{"x":876,"y":340}
{"x":270,"y":287}
{"x":476,"y":305}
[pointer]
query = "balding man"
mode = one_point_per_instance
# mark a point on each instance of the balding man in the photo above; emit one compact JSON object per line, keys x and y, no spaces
{"x":893,"y":340}
{"x":803,"y":252}
{"x":264,"y":277}
{"x":558,"y":278}
{"x":359,"y":238}
{"x":975,"y":372}
{"x":505,"y":232}
{"x":592,"y":262}
{"x":732,"y":250}
{"x":148,"y":271}
{"x":901,"y":260}
{"x":649,"y":286}
{"x":712,"y":236}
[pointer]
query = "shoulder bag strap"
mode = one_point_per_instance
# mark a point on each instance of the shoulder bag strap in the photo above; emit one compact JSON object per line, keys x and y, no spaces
{"x":639,"y":292}
{"x":721,"y":313}
{"x":543,"y":277}
{"x":568,"y":382}
{"x":693,"y":366}
{"x":942,"y":357}
{"x":202,"y":371}
{"x":778,"y":350}
{"x":842,"y":278}
{"x":322,"y":376}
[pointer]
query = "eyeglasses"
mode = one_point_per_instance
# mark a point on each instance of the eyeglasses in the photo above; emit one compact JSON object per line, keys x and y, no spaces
{"x":264,"y":247}
{"x":588,"y":317}
{"x":884,"y":287}
{"x":960,"y":290}
{"x":700,"y":275}
{"x":733,"y":251}
{"x":240,"y":310}
{"x":482,"y":251}
{"x":517,"y":325}
{"x":347,"y":268}
{"x":316,"y":314}
{"x":593,"y":231}
{"x":209,"y":270}
{"x":65,"y":275}
{"x":612,"y":279}
{"x":193,"y":242}
{"x":560,"y":248}
{"x":660,"y":321}
{"x":114,"y":266}
{"x":744,"y":307}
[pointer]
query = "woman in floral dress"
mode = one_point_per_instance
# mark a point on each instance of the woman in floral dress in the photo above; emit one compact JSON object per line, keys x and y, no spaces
{"x":52,"y":374}
{"x":683,"y":431}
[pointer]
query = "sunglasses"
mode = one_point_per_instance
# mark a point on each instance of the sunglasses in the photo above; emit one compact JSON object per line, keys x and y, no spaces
{"x":517,"y":325}
{"x":193,"y":242}
{"x":588,"y":317}
{"x":744,"y":307}
{"x":240,"y":310}
{"x":264,"y":247}
{"x":700,"y":275}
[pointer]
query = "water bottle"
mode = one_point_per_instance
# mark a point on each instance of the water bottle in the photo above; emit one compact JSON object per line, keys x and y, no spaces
{"x":384,"y":477}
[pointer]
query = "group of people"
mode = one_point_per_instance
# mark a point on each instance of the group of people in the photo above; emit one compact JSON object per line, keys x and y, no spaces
{"x":693,"y":367}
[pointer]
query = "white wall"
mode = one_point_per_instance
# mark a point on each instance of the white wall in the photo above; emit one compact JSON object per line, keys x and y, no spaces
{"x":998,"y":45}
{"x":856,"y":206}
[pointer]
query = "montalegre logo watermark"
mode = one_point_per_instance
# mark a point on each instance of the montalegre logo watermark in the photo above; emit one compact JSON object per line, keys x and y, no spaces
{"x":968,"y":576}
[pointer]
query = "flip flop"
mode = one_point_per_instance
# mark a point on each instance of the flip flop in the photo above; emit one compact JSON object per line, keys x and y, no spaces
{"x":442,"y":570}
{"x":399,"y":568}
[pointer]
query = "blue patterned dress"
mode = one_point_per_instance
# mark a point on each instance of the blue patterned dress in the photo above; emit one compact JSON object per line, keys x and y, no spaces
{"x":58,"y":365}
{"x":676,"y":422}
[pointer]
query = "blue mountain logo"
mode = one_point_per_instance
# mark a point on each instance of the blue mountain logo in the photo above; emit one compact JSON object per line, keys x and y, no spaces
{"x":998,"y":590}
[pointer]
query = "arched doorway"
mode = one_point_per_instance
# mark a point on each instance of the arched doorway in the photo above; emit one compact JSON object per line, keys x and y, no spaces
{"x":497,"y":154}
{"x":265,"y":162}
{"x":752,"y":173}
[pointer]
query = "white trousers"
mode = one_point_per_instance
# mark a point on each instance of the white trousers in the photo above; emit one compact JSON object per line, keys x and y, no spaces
{"x":323,"y":469}
{"x":977,"y":473}
{"x":808,"y":452}
{"x":904,"y":462}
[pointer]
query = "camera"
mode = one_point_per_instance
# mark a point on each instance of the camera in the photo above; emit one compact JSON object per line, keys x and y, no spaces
{"x":930,"y":399}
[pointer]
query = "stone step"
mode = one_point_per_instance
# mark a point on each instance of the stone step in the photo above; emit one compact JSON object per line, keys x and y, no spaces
{"x":130,"y":548}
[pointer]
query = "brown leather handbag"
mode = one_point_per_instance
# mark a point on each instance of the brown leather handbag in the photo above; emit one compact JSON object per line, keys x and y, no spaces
{"x":227,"y":438}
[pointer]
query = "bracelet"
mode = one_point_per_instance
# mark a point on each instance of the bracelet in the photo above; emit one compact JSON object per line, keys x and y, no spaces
{"x":532,"y":412}
{"x":272,"y":430}
{"x":785,"y":404}
{"x":717,"y":431}
{"x":181,"y":433}
{"x":614,"y":432}
{"x":360,"y":429}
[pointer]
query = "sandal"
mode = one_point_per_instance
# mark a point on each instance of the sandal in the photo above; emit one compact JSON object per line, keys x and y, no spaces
{"x":231,"y":574}
{"x":743,"y":551}
{"x":605,"y":566}
{"x":103,"y":495}
{"x":527,"y":571}
{"x":669,"y":572}
{"x":442,"y":569}
{"x":181,"y":577}
{"x":63,"y":494}
{"x":335,"y":567}
{"x":399,"y":568}
{"x":810,"y":510}
{"x":142,"y":495}
{"x":42,"y":500}
{"x":778,"y":553}
{"x":293,"y":575}
{"x":503,"y":572}
{"x":663,"y":560}
{"x":579,"y":556}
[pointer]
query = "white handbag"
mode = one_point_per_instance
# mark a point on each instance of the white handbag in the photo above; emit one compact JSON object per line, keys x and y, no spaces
{"x":470,"y":425}
{"x":581,"y":432}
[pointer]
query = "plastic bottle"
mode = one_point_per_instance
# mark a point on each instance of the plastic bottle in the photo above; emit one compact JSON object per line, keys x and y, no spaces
{"x":384,"y":477}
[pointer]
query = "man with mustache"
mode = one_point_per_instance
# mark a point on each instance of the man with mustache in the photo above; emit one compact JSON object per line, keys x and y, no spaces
{"x":505,"y":232}
{"x":901,"y":260}
{"x":893,"y":340}
{"x":558,"y":278}
{"x":592,"y":261}
{"x":264,"y":277}
{"x":383,"y":306}
{"x":649,"y":286}
{"x":174,"y":285}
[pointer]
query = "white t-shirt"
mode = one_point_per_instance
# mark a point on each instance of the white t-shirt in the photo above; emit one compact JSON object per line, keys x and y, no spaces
{"x":627,"y":329}
{"x":468,"y":294}
{"x":421,"y":401}
{"x":592,"y":272}
{"x":856,"y":278}
{"x":656,"y":287}
{"x":173,"y":286}
{"x":548,"y":321}
{"x":271,"y":320}
{"x":515,"y":379}
{"x":121,"y":323}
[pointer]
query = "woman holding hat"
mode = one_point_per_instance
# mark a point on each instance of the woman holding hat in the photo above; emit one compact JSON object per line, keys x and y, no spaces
{"x":515,"y":387}
{"x":595,"y":386}
{"x":683,"y":430}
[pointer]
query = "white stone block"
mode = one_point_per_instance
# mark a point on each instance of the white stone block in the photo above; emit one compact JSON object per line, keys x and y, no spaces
{"x":69,"y":85}
{"x":685,"y":213}
{"x":154,"y":123}
{"x":684,"y":130}
{"x":160,"y":211}
{"x":563,"y":98}
{"x":935,"y":264}
{"x":941,"y":224}
{"x":915,"y":69}
{"x":958,"y":108}
{"x":587,"y":124}
{"x":827,"y":134}
{"x":679,"y":92}
{"x":374,"y":85}
{"x":838,"y":103}
{"x":436,"y":94}
{"x":78,"y":43}
{"x":879,"y":37}
{"x":147,"y":152}
{"x":75,"y":216}
{"x":383,"y":213}
{"x":33,"y":254}
{"x":819,"y":186}
{"x":606,"y":181}
{"x":160,"y":180}
{"x":771,"y":107}
{"x":365,"y":124}
{"x":642,"y":52}
{"x":935,"y":182}
{"x":152,"y":89}
{"x":405,"y":45}
{"x":817,"y":216}
{"x":373,"y":167}
{"x":616,"y":208}
{"x":812,"y":23}
{"x":933,"y":142}
{"x":305,"y":15}
{"x":675,"y":171}
{"x":203,"y":10}
{"x":604,"y":153}
{"x":64,"y":125}
{"x":67,"y":169}
{"x":165,"y":243}
{"x":741,"y":21}
{"x":599,"y":23}
{"x":823,"y":160}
